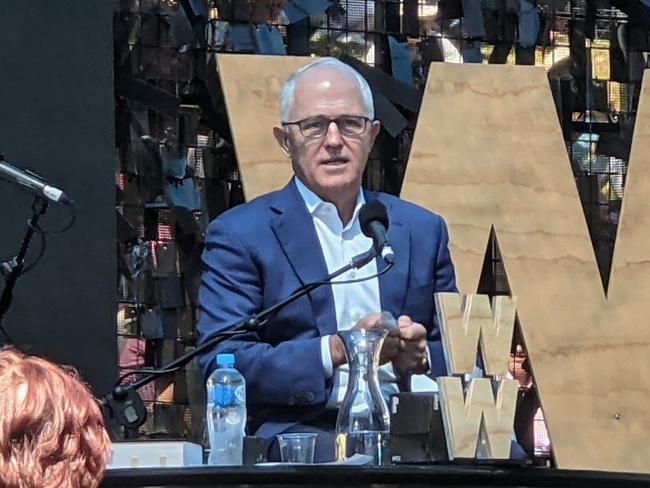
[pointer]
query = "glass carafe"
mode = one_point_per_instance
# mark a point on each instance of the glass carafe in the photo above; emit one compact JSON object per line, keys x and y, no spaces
{"x":363,"y":422}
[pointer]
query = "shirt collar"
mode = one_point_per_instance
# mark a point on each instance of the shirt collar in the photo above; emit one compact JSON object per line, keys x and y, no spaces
{"x":314,"y":202}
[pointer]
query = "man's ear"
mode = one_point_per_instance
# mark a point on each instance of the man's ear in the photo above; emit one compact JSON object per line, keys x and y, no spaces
{"x":375,"y":127}
{"x":283,"y":139}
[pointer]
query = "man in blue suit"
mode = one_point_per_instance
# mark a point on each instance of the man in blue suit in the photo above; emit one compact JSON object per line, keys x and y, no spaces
{"x":257,"y":254}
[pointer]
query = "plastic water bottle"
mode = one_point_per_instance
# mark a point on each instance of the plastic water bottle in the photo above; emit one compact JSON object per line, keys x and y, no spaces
{"x":226,"y":413}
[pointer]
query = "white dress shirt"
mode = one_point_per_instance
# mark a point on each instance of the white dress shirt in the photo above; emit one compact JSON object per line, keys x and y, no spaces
{"x":351,"y":301}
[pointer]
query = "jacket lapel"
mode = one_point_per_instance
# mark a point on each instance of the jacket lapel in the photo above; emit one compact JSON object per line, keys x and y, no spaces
{"x":393,"y":284}
{"x":295,"y":231}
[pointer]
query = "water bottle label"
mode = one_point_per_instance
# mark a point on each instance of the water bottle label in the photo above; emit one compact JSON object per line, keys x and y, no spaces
{"x":224,"y":395}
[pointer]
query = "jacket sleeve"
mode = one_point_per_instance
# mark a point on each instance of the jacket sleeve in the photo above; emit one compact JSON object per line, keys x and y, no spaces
{"x":290,"y":372}
{"x":444,"y":280}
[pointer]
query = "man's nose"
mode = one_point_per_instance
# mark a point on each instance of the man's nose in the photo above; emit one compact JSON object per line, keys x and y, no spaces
{"x":333,"y":135}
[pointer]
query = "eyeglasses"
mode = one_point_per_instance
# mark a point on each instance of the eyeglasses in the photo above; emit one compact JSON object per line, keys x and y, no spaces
{"x":316,"y":127}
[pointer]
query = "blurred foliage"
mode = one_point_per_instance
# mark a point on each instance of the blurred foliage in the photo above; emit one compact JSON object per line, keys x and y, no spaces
{"x":325,"y":46}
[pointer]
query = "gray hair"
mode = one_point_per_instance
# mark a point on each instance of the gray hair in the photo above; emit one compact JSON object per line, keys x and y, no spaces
{"x":289,"y":87}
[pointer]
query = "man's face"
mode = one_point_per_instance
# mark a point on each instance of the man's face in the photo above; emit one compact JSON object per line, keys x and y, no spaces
{"x":332,"y":165}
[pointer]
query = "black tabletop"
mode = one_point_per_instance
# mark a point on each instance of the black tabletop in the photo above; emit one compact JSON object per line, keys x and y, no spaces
{"x":339,"y":476}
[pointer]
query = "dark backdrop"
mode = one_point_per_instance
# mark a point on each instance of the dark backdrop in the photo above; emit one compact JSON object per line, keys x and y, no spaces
{"x":56,"y":117}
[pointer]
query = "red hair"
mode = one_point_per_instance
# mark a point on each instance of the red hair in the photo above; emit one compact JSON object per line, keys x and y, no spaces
{"x":51,"y":428}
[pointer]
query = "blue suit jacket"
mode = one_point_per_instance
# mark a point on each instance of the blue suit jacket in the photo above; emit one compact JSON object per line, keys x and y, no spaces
{"x":259,"y":253}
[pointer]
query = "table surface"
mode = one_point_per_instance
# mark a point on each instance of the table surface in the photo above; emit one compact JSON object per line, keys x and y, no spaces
{"x":433,"y":475}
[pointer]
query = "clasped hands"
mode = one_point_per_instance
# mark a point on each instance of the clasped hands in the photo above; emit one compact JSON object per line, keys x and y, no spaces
{"x":405,"y":345}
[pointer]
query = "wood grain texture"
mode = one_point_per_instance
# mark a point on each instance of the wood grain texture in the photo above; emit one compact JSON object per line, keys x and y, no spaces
{"x":467,"y":322}
{"x":488,"y":151}
{"x":251,"y":87}
{"x":479,"y":415}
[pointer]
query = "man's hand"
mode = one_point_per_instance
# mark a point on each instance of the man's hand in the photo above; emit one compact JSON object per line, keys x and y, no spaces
{"x":372,"y":321}
{"x":411,"y":356}
{"x":390,"y":346}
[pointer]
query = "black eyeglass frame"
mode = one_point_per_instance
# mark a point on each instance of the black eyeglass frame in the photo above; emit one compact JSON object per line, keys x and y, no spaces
{"x":366,"y":121}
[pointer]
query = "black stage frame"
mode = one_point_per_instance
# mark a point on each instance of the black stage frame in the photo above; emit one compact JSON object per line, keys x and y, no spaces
{"x":394,"y":476}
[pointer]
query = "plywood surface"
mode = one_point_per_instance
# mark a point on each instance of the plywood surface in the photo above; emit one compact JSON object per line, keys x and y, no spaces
{"x":470,"y":322}
{"x":465,"y":414}
{"x":488,"y":152}
{"x":251,"y":87}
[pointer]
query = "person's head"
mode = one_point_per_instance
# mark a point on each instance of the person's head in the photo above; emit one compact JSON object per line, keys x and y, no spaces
{"x":328,"y":157}
{"x":51,"y":428}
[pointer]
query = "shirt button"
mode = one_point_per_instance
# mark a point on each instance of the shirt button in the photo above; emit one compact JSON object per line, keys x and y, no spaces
{"x":353,"y":274}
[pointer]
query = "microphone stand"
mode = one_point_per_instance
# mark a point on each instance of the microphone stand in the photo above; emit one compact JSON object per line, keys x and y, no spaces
{"x":14,"y":267}
{"x":125,"y":405}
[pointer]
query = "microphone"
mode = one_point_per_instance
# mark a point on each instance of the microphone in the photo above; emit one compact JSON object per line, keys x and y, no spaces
{"x":374,"y":222}
{"x":32,"y":182}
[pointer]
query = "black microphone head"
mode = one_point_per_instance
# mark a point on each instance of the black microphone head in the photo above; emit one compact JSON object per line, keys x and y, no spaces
{"x":372,"y":211}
